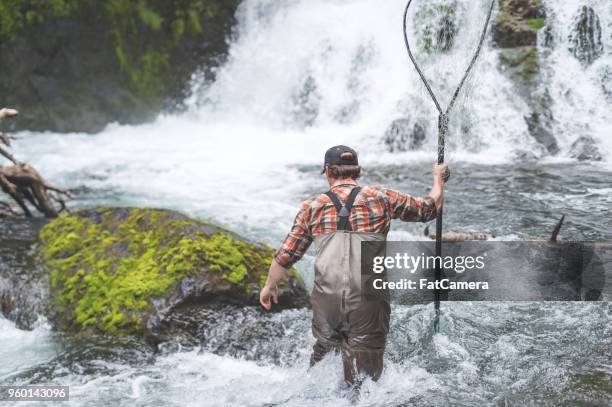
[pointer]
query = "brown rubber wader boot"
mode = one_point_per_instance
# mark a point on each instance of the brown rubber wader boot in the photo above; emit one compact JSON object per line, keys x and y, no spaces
{"x":342,"y":319}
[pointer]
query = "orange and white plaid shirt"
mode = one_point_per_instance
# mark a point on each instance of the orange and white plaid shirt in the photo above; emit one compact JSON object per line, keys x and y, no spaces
{"x":373,"y":210}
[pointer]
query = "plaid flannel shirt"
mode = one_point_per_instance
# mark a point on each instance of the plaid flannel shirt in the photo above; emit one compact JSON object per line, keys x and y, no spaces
{"x":372,"y":211}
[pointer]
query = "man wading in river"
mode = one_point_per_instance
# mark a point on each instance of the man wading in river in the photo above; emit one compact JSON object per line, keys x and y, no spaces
{"x":338,"y":221}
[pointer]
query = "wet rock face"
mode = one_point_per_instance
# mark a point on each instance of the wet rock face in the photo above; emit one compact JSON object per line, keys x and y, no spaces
{"x":516,"y":31}
{"x":242,"y":332}
{"x":22,"y":286}
{"x":306,"y":100}
{"x":403,"y":135}
{"x":541,"y":133}
{"x":78,"y":65}
{"x":585,"y":40}
{"x":585,"y":149}
{"x":606,"y":81}
{"x":437,"y":26}
{"x":518,"y":23}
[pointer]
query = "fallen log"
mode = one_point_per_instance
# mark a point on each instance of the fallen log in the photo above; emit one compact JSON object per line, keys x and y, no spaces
{"x":453,"y":236}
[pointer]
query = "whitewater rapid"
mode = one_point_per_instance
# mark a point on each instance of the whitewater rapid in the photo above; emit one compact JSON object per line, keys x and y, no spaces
{"x":486,"y":354}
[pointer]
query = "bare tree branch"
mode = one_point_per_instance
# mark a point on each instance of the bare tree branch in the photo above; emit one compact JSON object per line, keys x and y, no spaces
{"x":24,"y":184}
{"x":7,"y":113}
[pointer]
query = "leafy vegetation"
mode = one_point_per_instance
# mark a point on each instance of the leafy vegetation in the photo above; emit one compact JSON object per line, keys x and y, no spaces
{"x":17,"y":14}
{"x":144,"y":32}
{"x":537,"y":23}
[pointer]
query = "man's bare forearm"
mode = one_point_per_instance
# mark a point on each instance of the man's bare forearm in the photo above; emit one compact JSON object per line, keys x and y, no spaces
{"x":440,"y":176}
{"x":437,"y":193}
{"x":275,"y":273}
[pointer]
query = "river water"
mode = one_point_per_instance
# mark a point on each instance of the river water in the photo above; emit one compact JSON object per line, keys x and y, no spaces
{"x":302,"y":76}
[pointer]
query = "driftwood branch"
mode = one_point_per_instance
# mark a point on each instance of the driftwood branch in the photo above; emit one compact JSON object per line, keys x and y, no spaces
{"x":6,"y":210}
{"x":25,"y":185}
{"x":557,"y":229}
{"x":466,"y":236}
{"x":459,"y":236}
{"x":5,"y":139}
{"x":6,"y":113}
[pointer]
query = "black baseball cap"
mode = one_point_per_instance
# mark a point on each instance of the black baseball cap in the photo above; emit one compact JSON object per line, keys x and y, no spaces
{"x":334,"y":156}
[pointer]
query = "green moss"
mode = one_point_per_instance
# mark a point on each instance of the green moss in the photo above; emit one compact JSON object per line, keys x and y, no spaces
{"x":536,"y":23}
{"x":530,"y":66}
{"x":148,"y":16}
{"x":104,"y":274}
{"x":145,"y":33}
{"x":17,"y":14}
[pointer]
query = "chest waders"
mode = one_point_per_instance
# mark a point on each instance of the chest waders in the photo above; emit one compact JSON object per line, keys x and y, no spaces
{"x":342,"y":319}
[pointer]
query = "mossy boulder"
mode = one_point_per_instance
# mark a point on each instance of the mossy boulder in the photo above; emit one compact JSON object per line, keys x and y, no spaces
{"x":119,"y":271}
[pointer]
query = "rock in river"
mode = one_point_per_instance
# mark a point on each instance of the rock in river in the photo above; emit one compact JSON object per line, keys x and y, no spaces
{"x":120,"y":271}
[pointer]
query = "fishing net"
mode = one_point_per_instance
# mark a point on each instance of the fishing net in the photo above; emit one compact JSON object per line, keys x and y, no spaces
{"x":437,"y":30}
{"x":444,"y":36}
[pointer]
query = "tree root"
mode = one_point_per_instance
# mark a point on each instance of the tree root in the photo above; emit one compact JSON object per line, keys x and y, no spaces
{"x":25,"y":185}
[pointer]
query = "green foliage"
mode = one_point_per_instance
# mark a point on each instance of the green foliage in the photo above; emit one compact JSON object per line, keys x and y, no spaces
{"x":105,"y":274}
{"x":537,"y":23}
{"x":144,"y":33}
{"x":16,"y":14}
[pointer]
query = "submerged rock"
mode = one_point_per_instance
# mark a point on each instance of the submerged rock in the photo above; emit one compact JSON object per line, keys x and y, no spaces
{"x":606,"y":81}
{"x":585,"y":149}
{"x":305,"y":103}
{"x":79,"y":65}
{"x":541,"y":133}
{"x":436,"y":26}
{"x":120,"y":271}
{"x":518,"y":23}
{"x":516,"y":31}
{"x":403,"y":135}
{"x":522,"y":66}
{"x":23,"y":285}
{"x":585,"y":40}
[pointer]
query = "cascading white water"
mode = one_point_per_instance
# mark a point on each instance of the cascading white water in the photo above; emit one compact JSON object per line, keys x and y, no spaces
{"x":304,"y":75}
{"x":581,"y":93}
{"x":326,"y":68}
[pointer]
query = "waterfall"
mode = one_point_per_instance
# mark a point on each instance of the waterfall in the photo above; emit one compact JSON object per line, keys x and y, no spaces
{"x":302,"y":75}
{"x":321,"y":66}
{"x":579,"y":71}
